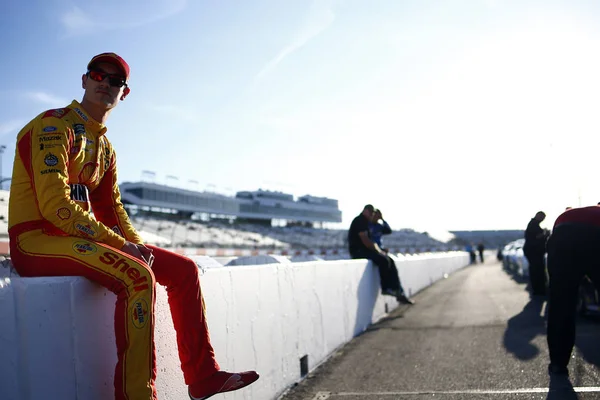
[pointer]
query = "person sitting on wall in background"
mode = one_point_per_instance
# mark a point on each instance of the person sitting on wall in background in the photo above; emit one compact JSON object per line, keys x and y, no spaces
{"x":378,"y":229}
{"x":65,"y":167}
{"x":534,"y":250}
{"x":360,"y":245}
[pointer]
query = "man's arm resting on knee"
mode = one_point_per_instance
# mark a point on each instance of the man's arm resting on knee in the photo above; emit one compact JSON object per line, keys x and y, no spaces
{"x":139,"y":251}
{"x":371,"y":245}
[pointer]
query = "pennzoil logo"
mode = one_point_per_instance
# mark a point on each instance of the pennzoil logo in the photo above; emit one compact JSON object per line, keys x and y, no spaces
{"x":139,"y":313}
{"x":84,"y":248}
{"x":85,"y":228}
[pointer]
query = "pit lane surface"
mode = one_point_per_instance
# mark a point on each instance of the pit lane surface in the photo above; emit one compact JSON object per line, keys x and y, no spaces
{"x":476,"y":335}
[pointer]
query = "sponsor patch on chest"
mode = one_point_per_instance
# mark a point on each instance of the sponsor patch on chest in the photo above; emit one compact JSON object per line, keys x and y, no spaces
{"x":79,"y":193}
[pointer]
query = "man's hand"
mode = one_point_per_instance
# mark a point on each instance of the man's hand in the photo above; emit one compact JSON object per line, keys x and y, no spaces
{"x":139,"y":251}
{"x":146,"y":253}
{"x":133,"y":250}
{"x":379,"y":249}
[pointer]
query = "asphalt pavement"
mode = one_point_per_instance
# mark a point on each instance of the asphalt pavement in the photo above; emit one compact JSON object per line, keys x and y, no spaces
{"x":475,"y":335}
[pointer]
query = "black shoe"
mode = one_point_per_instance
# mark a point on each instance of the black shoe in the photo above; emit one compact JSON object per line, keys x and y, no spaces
{"x":557,"y":370}
{"x":389,"y":292}
{"x":405,"y":300}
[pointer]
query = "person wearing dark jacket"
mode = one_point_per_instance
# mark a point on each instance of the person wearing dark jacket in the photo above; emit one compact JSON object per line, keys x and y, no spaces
{"x":360,"y":245}
{"x":480,"y":249}
{"x":573,"y":252}
{"x":534,"y":250}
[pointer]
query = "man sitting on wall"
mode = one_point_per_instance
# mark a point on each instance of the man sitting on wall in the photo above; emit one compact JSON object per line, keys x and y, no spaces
{"x":64,"y":168}
{"x":360,"y":245}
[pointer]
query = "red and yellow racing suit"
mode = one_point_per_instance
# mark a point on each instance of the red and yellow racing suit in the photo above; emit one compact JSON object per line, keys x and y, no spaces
{"x":65,"y":168}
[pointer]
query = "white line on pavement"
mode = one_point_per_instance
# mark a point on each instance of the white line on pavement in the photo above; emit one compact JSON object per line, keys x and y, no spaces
{"x":327,"y":395}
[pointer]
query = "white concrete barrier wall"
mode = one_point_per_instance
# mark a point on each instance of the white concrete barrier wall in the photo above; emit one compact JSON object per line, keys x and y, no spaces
{"x":57,"y":339}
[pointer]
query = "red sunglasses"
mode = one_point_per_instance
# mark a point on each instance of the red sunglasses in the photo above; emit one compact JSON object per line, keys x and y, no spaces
{"x":113,"y":80}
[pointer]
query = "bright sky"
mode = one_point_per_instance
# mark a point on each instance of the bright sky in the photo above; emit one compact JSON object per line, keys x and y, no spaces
{"x":446,"y":114}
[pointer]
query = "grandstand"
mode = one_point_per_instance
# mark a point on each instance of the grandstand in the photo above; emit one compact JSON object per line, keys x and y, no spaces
{"x":257,"y":206}
{"x":258,"y":219}
{"x":244,"y":235}
{"x":188,"y":233}
{"x":490,"y":239}
{"x":213,"y":221}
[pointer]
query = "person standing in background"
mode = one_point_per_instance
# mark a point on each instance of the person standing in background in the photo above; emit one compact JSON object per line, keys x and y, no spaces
{"x":480,"y":249}
{"x":469,"y":248}
{"x":573,"y":252}
{"x":534,"y":250}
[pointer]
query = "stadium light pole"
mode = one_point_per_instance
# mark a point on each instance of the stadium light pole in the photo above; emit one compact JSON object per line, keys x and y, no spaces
{"x":2,"y":148}
{"x":171,"y":177}
{"x":149,"y":174}
{"x":193,"y":184}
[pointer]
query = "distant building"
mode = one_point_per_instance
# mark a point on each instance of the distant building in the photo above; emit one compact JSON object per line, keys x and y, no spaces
{"x":260,"y":206}
{"x":490,"y":239}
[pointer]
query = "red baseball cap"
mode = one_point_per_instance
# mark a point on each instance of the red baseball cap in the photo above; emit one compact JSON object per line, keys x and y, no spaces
{"x":111,"y":58}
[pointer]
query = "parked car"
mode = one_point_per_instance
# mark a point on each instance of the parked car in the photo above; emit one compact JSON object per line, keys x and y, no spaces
{"x":588,"y":302}
{"x":509,"y":255}
{"x":521,"y":262}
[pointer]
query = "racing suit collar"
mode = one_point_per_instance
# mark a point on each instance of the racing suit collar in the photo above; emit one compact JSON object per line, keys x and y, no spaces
{"x":89,"y":121}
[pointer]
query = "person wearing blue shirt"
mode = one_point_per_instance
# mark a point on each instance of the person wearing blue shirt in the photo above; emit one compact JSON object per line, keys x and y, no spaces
{"x":378,"y":229}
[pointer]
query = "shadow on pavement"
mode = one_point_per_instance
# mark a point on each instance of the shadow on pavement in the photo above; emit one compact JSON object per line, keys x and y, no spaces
{"x":588,"y":332}
{"x":561,"y":389}
{"x":514,"y":275}
{"x":368,"y":289}
{"x":523,"y":328}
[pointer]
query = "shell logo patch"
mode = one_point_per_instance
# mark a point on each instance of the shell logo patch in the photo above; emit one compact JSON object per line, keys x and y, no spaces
{"x":63,"y":213}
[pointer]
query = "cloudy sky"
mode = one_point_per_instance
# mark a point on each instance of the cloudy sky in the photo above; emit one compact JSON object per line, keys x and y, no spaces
{"x":446,"y":114}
